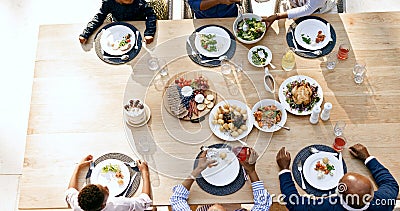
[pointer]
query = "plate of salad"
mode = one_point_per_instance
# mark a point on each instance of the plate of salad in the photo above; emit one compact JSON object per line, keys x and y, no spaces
{"x":212,"y":41}
{"x":249,"y":29}
{"x":269,"y":115}
{"x":299,"y":94}
{"x":311,"y":34}
{"x":117,"y":40}
{"x":259,"y":56}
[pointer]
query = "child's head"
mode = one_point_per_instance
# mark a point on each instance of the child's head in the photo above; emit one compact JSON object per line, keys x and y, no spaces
{"x":93,"y":197}
{"x":125,"y":1}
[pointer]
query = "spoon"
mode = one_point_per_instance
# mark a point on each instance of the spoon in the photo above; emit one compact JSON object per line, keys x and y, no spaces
{"x":284,"y":127}
{"x":210,"y":60}
{"x":317,"y":52}
{"x":123,"y":57}
{"x":242,"y":142}
{"x":245,"y":27}
{"x":315,"y":150}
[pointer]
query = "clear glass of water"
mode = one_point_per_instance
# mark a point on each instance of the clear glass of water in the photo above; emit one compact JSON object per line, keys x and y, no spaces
{"x":359,"y":71}
{"x":331,"y":60}
{"x":226,"y":67}
{"x":339,"y":128}
{"x":163,"y":67}
{"x":153,"y":63}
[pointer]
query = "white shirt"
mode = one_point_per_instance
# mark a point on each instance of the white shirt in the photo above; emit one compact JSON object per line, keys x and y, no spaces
{"x":139,"y":203}
{"x":302,"y":8}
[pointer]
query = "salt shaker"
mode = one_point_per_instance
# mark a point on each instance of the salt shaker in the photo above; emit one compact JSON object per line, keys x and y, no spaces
{"x":315,"y":114}
{"x":325,"y":114}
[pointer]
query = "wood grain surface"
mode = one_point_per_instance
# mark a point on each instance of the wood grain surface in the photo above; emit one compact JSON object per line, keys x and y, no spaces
{"x":76,"y":106}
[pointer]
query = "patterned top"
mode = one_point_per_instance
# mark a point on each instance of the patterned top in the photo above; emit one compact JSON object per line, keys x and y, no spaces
{"x":262,"y":199}
{"x":139,"y":10}
{"x":302,"y":8}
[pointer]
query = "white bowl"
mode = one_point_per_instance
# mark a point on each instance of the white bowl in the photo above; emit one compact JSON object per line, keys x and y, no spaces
{"x":247,"y":16}
{"x":267,"y":102}
{"x":268,"y":58}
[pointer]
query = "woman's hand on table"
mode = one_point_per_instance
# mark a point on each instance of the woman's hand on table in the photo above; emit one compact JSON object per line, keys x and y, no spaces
{"x":82,"y":40}
{"x":283,"y":159}
{"x":359,"y":151}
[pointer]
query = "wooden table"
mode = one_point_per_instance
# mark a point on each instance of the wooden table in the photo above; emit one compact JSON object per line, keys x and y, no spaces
{"x":76,"y":106}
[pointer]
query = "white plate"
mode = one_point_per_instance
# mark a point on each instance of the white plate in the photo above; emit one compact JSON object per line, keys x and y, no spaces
{"x":225,"y":135}
{"x":225,"y":172}
{"x":109,"y":179}
{"x":113,"y":34}
{"x":311,"y":175}
{"x":267,"y":102}
{"x":222,"y":38}
{"x":311,"y":27}
{"x":268,"y":58}
{"x":282,"y":97}
{"x":148,"y":115}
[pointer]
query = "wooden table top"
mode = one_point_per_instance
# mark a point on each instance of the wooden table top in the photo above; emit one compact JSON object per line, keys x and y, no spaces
{"x":76,"y":106}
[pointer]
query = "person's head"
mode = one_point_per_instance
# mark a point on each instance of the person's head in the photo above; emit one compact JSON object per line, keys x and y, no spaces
{"x":357,"y":190}
{"x":93,"y":197}
{"x":216,"y":207}
{"x":125,"y":1}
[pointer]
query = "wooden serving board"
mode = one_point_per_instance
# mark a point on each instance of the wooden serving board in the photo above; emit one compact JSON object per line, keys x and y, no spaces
{"x":190,"y":76}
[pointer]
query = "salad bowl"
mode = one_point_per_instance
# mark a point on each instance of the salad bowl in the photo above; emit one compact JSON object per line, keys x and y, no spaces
{"x":254,"y":30}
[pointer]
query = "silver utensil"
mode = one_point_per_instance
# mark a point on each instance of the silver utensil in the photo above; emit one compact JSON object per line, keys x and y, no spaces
{"x":123,"y":57}
{"x":300,"y":169}
{"x":194,"y":53}
{"x":242,"y":142}
{"x":131,"y":164}
{"x":284,"y":127}
{"x":328,"y":34}
{"x":91,"y":167}
{"x":130,"y":184}
{"x":245,"y":27}
{"x":211,"y":60}
{"x":316,"y":52}
{"x":315,"y":150}
{"x":136,"y":43}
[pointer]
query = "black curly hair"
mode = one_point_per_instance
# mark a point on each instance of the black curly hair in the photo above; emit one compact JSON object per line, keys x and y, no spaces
{"x":91,"y":198}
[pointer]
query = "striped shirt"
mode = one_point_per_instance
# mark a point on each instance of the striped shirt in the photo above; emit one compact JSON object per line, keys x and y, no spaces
{"x":262,"y":199}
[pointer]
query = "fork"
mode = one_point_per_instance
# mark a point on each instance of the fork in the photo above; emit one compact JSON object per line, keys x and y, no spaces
{"x":136,"y":40}
{"x":131,"y":164}
{"x":300,"y":169}
{"x":191,"y":48}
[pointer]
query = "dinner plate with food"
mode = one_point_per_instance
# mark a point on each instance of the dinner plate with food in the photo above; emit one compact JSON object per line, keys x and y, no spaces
{"x":212,"y":41}
{"x":117,"y":40}
{"x":322,"y":170}
{"x":225,"y":170}
{"x":249,"y":29}
{"x":312,"y":34}
{"x":229,"y":120}
{"x":189,"y":96}
{"x":268,"y":115}
{"x":112,"y":173}
{"x":299,"y":94}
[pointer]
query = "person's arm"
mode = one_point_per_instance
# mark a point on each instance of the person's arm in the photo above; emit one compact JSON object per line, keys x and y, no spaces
{"x":144,"y":170}
{"x":270,"y":19}
{"x":96,"y":22}
{"x":73,"y":183}
{"x":388,"y":188}
{"x":151,"y":23}
{"x":309,"y":8}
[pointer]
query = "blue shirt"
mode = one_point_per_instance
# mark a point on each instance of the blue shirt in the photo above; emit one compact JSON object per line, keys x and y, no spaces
{"x":262,"y":199}
{"x":218,"y":11}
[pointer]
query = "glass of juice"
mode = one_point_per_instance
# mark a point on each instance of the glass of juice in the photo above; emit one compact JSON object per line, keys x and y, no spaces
{"x":241,"y":152}
{"x":288,"y":60}
{"x":343,"y":52}
{"x":339,"y":143}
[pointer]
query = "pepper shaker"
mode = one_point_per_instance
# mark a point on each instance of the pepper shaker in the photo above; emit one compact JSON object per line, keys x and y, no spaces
{"x":325,"y":114}
{"x":315,"y":114}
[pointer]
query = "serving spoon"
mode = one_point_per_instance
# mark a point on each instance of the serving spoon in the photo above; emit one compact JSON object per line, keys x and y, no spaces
{"x":123,"y":57}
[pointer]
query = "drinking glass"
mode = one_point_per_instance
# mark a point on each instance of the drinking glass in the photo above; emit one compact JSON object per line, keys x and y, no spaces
{"x":343,"y":52}
{"x":331,"y":61}
{"x":144,"y":144}
{"x":339,"y":128}
{"x":359,"y":71}
{"x":288,"y":59}
{"x":226,"y":67}
{"x":153,"y":63}
{"x":163,"y":67}
{"x":339,"y":143}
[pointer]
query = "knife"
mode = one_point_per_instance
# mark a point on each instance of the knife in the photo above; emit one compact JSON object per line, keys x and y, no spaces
{"x":341,"y":160}
{"x":328,"y":32}
{"x":294,"y":41}
{"x":89,"y":173}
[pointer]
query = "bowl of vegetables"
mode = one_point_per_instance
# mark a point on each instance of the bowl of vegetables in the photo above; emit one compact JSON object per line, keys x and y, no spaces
{"x":259,"y":56}
{"x":249,"y":28}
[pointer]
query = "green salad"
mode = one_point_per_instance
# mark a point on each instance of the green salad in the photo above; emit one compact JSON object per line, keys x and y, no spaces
{"x":259,"y":56}
{"x":208,"y":42}
{"x":254,"y":31}
{"x":110,"y":167}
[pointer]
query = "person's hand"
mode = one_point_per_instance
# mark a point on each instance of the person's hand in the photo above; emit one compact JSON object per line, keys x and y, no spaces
{"x":227,"y":2}
{"x":283,"y":159}
{"x":359,"y":151}
{"x":148,"y":39}
{"x":269,"y":20}
{"x":142,"y":165}
{"x":82,"y":40}
{"x":251,"y":155}
{"x":85,"y":161}
{"x":204,"y":162}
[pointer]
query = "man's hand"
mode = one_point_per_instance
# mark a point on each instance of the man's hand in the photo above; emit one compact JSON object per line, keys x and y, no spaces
{"x":283,"y":159}
{"x":227,"y":2}
{"x":203,"y":162}
{"x":359,"y":151}
{"x":142,"y":165}
{"x":82,"y":40}
{"x":251,"y":155}
{"x":148,"y":39}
